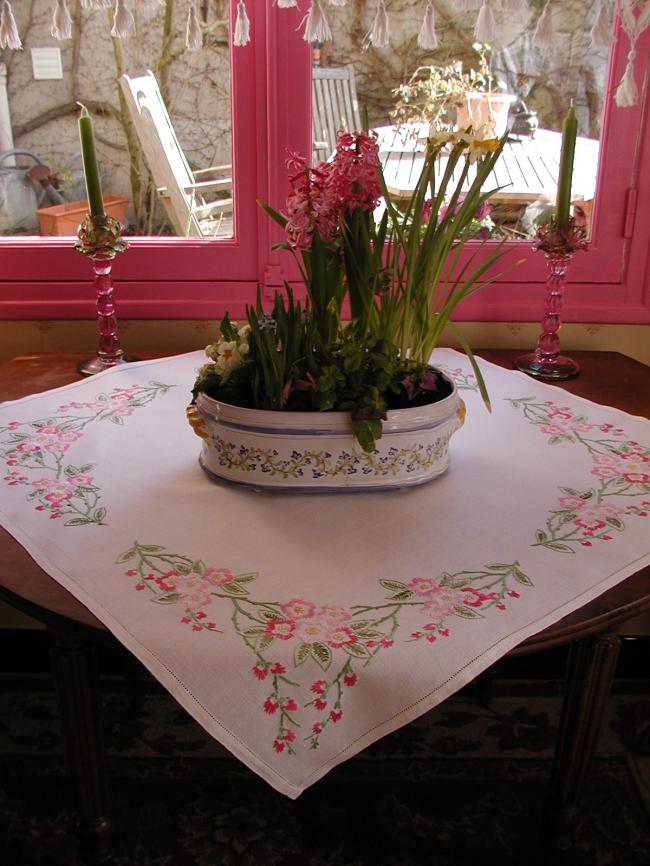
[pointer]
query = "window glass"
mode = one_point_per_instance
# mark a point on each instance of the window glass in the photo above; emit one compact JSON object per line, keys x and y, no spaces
{"x":163,"y":144}
{"x":508,"y":83}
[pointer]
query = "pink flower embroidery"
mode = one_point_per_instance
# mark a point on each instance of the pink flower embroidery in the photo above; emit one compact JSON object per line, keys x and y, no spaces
{"x":556,"y":429}
{"x":342,"y":636}
{"x":218,"y":576}
{"x":444,"y":603}
{"x":270,"y":706}
{"x":334,"y":613}
{"x":280,"y":628}
{"x":310,"y":630}
{"x":573,"y":503}
{"x":423,"y":586}
{"x":476,"y":598}
{"x":297,"y":608}
{"x":556,"y":412}
{"x":192,"y":590}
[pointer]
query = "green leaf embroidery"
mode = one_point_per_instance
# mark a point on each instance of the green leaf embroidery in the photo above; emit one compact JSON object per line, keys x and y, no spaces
{"x":246,"y":578}
{"x":368,"y":633}
{"x":300,"y":653}
{"x":265,"y":613}
{"x":322,"y":654}
{"x":467,"y":612}
{"x":561,"y":548}
{"x":520,"y":577}
{"x":125,"y":557}
{"x":393,"y":585}
{"x":78,"y":521}
{"x":358,"y":650}
{"x":167,"y":598}
{"x":233,"y":588}
{"x":401,"y":596}
{"x":265,"y":641}
{"x":254,"y":631}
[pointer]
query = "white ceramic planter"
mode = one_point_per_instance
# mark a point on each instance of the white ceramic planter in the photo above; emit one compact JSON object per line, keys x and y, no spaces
{"x":317,"y":451}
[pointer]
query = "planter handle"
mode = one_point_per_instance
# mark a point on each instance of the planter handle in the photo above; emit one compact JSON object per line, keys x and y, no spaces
{"x":196,"y":421}
{"x":460,"y":414}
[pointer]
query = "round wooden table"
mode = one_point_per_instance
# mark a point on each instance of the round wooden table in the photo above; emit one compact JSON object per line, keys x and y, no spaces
{"x":592,"y":631}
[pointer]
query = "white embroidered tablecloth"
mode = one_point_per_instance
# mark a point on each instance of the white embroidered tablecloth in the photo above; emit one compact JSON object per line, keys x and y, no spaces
{"x":299,"y":628}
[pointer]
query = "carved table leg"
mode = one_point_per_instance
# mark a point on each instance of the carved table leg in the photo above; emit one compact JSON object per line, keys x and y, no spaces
{"x":590,"y":672}
{"x":77,"y":686}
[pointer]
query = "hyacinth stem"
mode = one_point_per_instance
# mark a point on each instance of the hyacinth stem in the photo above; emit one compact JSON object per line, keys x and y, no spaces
{"x":546,"y":362}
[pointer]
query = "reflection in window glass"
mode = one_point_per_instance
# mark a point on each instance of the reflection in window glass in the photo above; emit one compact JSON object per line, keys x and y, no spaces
{"x":163,"y":142}
{"x":508,"y":84}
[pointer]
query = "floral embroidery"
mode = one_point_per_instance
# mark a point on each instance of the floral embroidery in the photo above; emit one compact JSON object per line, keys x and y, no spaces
{"x":34,"y":453}
{"x":319,"y":464}
{"x":621,"y":465}
{"x":462,"y":380}
{"x":337,"y":640}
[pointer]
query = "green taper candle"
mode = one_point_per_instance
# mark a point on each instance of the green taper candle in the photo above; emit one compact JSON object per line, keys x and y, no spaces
{"x":91,"y":169}
{"x":569,"y":133}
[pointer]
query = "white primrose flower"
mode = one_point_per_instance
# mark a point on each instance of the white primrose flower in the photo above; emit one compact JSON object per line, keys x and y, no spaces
{"x":229,"y":357}
{"x":206,"y":370}
{"x":212,"y":351}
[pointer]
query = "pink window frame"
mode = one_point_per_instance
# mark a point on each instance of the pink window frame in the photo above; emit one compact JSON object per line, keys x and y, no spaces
{"x":198,"y":279}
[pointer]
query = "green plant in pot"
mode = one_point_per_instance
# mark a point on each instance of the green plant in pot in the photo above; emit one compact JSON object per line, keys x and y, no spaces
{"x":447,"y":96}
{"x":379,"y":290}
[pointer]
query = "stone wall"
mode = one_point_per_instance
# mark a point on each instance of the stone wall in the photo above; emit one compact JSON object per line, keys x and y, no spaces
{"x":44,"y":113}
{"x":547,"y":81}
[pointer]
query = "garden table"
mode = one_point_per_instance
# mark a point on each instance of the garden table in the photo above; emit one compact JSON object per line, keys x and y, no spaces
{"x":527,"y":171}
{"x":591,"y":625}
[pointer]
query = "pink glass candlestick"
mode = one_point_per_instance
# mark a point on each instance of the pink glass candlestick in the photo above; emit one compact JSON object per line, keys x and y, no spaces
{"x":558,"y":243}
{"x":546,"y":362}
{"x":100,"y":240}
{"x":109,"y":352}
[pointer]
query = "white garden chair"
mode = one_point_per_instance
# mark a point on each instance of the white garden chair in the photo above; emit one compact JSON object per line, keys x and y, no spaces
{"x":182,"y":190}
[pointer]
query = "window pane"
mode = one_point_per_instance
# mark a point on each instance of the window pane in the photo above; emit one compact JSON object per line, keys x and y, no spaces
{"x":167,"y":173}
{"x":507,"y":84}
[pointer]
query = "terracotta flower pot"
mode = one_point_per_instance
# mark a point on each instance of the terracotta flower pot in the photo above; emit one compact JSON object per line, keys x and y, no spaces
{"x":480,"y":109}
{"x":64,"y":219}
{"x":317,"y":451}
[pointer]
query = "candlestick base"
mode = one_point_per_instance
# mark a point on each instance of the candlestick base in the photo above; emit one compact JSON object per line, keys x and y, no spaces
{"x":97,"y":364}
{"x":554,"y":368}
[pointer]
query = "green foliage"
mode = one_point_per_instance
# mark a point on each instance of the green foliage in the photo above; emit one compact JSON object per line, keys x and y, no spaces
{"x":403,"y":275}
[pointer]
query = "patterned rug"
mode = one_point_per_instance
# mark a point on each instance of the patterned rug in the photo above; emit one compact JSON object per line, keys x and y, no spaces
{"x":464,"y":784}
